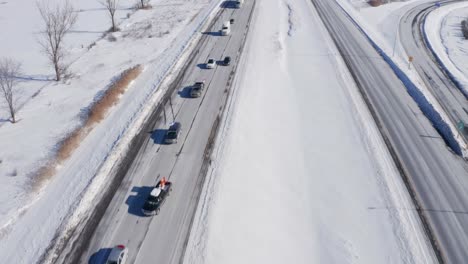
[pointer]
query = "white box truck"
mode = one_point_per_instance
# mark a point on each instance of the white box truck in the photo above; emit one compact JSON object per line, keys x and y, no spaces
{"x":226,"y":29}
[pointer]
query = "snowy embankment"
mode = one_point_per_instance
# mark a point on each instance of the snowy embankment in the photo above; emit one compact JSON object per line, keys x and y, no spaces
{"x":386,"y":19}
{"x":443,"y":32}
{"x":156,"y":38}
{"x":300,"y":173}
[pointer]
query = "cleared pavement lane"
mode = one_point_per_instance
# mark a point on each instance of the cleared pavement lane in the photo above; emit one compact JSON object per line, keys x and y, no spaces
{"x":162,"y":238}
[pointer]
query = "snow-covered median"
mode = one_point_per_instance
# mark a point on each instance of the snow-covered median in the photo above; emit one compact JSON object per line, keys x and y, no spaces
{"x":443,"y":30}
{"x":300,"y":173}
{"x":156,"y":39}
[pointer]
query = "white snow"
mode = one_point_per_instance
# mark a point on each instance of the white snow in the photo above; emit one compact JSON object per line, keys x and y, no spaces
{"x":156,"y":38}
{"x":300,"y":173}
{"x":443,"y":31}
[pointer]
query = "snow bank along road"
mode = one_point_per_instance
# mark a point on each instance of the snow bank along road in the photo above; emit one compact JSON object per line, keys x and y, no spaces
{"x":436,"y":79}
{"x":311,"y":188}
{"x":436,"y":178}
{"x":162,"y":238}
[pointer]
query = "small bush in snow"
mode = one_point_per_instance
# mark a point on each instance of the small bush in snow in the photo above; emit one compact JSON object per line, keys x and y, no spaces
{"x":464,"y":27}
{"x":111,"y":38}
{"x":143,"y":4}
{"x":91,"y":45}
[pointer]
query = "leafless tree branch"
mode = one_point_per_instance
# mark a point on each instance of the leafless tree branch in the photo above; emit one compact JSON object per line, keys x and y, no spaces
{"x":9,"y":72}
{"x":143,"y":4}
{"x":58,"y":20}
{"x":111,"y":6}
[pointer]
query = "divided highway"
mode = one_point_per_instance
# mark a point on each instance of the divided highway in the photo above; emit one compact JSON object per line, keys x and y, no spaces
{"x":162,"y":238}
{"x":444,"y":90}
{"x":435,"y":177}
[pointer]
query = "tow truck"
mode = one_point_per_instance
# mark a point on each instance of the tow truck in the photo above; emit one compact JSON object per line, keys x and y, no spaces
{"x":157,"y":197}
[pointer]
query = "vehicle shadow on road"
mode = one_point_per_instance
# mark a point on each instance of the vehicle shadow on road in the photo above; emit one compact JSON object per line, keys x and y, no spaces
{"x":228,"y":4}
{"x":100,"y":256}
{"x":158,"y":136}
{"x":212,"y":33}
{"x":185,"y":92}
{"x":136,"y":201}
{"x":202,"y":66}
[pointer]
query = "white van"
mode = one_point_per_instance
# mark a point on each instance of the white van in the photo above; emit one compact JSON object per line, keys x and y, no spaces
{"x":238,"y":3}
{"x":226,"y":30}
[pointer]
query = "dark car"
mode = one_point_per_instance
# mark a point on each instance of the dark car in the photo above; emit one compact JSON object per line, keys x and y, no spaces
{"x":197,"y":89}
{"x":156,"y":198}
{"x":172,"y":133}
{"x":227,"y":61}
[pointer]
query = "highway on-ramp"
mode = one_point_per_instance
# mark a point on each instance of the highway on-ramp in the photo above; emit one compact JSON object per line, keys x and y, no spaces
{"x":436,"y":178}
{"x":411,"y":32}
{"x":162,"y":238}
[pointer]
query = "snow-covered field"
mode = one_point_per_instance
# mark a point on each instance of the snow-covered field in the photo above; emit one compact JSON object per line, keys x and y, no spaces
{"x":300,"y":174}
{"x":443,"y":31}
{"x":21,"y":22}
{"x":156,"y":38}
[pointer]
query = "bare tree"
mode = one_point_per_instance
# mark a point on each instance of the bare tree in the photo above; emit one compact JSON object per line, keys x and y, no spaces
{"x":9,"y":72}
{"x":111,"y":6}
{"x":58,"y":20}
{"x":143,"y":3}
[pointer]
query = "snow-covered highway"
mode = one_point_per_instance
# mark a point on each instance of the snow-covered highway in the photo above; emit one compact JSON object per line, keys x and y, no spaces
{"x":308,"y":144}
{"x":436,"y":178}
{"x":162,"y":238}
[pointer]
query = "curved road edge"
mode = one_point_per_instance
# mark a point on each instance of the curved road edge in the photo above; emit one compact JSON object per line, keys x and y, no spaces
{"x":440,"y":83}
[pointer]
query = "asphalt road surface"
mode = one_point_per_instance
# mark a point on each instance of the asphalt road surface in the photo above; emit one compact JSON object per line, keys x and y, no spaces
{"x":162,"y":238}
{"x":436,"y":178}
{"x":444,"y":90}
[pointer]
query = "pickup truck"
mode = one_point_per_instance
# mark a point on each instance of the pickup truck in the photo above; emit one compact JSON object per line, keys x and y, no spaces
{"x":157,"y":197}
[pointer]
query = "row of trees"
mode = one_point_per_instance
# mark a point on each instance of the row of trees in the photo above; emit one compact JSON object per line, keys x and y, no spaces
{"x":58,"y":21}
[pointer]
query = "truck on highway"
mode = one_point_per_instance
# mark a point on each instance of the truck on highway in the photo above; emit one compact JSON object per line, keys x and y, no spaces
{"x":238,"y":3}
{"x":226,"y":29}
{"x":157,"y":197}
